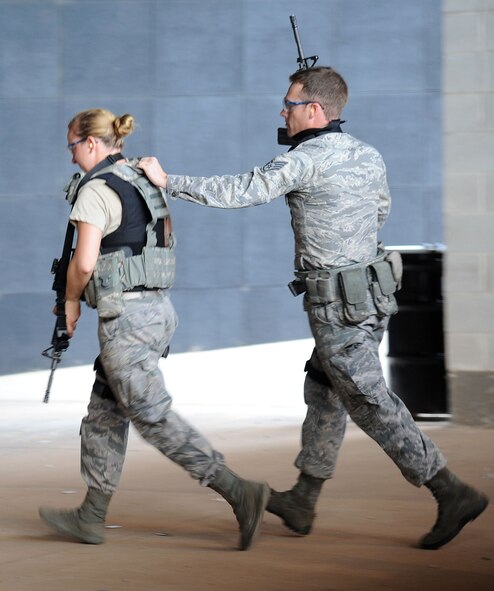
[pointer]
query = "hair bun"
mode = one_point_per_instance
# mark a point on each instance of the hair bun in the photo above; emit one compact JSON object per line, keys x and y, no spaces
{"x":123,"y":125}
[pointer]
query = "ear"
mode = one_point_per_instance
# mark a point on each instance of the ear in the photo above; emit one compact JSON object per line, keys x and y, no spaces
{"x":317,"y":112}
{"x":91,"y":142}
{"x":314,"y":110}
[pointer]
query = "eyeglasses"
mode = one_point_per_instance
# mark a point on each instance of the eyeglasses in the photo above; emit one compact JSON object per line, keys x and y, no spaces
{"x":70,"y":147}
{"x":287,"y":105}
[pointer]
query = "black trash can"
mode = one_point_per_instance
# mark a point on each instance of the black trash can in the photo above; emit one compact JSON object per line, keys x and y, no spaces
{"x":417,"y":372}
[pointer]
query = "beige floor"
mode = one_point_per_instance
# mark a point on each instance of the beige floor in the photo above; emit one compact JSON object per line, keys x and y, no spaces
{"x":172,"y":535}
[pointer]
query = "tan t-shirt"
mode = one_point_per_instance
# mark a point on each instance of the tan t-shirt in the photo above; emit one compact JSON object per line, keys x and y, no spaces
{"x":99,"y":206}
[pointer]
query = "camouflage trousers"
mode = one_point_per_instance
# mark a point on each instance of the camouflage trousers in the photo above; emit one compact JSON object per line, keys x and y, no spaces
{"x":347,"y":354}
{"x":131,"y":347}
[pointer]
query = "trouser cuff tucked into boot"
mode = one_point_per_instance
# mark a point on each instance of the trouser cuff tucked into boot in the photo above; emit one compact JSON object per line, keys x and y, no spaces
{"x":458,"y":504}
{"x":248,"y":500}
{"x":86,"y":523}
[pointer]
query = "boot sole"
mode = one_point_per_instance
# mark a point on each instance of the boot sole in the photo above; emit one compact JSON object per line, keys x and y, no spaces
{"x":301,"y":531}
{"x":263,"y":498}
{"x":452,"y":534}
{"x":305,"y":531}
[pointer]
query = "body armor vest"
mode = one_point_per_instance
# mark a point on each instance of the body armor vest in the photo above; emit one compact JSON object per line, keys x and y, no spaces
{"x":139,"y":254}
{"x":130,"y":236}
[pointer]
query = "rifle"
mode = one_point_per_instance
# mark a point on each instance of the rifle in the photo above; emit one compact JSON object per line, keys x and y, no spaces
{"x":59,"y":267}
{"x":303,"y":64}
{"x":301,"y":60}
{"x":60,"y":338}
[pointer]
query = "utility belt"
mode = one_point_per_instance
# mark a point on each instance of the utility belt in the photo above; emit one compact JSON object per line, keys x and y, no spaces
{"x":351,"y":285}
{"x":116,"y":275}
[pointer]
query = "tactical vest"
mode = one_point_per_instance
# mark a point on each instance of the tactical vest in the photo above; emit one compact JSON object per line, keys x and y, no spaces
{"x":140,"y":253}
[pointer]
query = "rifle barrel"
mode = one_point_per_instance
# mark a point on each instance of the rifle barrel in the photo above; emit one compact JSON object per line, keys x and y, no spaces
{"x":301,"y":58}
{"x":54,"y":362}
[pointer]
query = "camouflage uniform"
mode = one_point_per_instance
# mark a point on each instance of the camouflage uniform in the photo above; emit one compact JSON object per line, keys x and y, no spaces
{"x":336,"y":188}
{"x":131,"y":346}
{"x":136,"y":323}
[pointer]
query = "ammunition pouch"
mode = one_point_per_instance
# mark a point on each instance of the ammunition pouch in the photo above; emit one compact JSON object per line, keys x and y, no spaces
{"x":362,"y":288}
{"x":104,"y":290}
{"x":154,"y":268}
{"x":115,"y":273}
{"x":396,"y":263}
{"x":383,"y":285}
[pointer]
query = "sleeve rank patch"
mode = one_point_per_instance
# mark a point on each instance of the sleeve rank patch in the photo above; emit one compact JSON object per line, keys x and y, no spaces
{"x":272,"y":165}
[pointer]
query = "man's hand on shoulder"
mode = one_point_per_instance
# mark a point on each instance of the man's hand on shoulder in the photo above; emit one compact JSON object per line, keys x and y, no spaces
{"x":153,"y":170}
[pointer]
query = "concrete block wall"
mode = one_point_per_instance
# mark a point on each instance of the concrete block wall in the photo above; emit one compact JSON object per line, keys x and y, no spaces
{"x":468,"y":87}
{"x":204,"y":79}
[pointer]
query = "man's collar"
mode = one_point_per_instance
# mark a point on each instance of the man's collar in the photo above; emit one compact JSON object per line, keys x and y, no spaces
{"x":308,"y":134}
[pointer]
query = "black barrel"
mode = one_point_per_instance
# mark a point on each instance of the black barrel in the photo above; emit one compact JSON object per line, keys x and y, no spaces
{"x":417,"y":372}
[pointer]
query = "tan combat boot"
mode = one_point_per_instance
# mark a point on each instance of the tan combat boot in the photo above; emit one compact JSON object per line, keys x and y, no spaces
{"x":86,"y":523}
{"x":248,"y":500}
{"x":296,"y":506}
{"x":458,"y":504}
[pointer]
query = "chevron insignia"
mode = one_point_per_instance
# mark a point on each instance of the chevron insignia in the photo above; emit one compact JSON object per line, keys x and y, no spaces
{"x":273,"y":165}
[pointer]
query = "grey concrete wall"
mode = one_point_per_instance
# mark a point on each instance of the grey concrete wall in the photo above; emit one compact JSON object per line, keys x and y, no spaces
{"x":204,"y":79}
{"x":469,"y":207}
